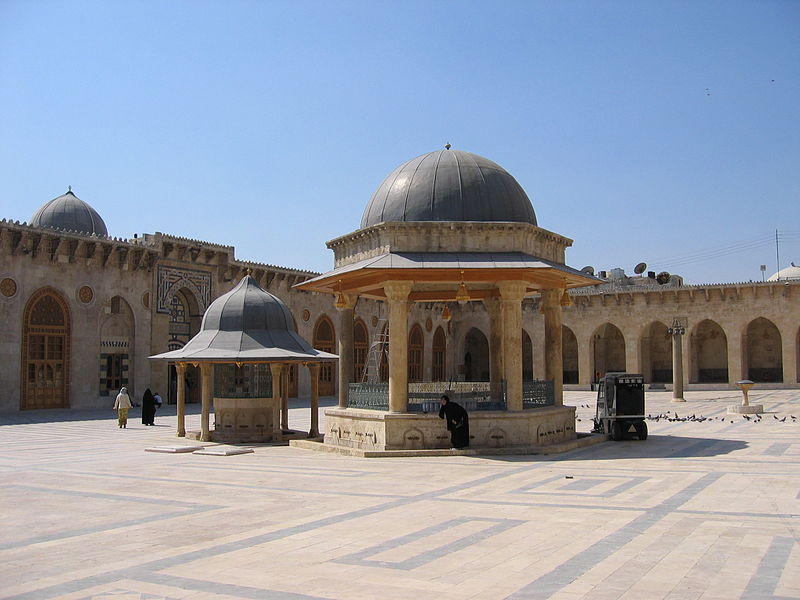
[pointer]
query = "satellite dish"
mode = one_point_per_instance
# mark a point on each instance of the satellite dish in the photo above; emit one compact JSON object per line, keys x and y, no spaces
{"x":588,"y":269}
{"x":640,"y":268}
{"x":663,"y":277}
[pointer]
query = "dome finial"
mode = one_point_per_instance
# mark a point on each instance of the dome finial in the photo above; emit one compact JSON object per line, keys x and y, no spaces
{"x":447,"y":146}
{"x":69,"y":188}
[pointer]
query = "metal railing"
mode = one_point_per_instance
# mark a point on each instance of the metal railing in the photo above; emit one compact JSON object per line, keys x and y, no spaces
{"x":246,"y":381}
{"x":424,"y":397}
{"x":472,"y":395}
{"x":537,"y":393}
{"x":372,"y":396}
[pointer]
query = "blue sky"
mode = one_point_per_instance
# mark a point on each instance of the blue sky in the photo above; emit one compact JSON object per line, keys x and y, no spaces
{"x":664,"y":132}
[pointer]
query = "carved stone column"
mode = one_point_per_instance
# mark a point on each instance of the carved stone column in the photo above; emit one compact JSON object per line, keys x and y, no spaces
{"x":511,"y":295}
{"x":677,"y":367}
{"x":737,"y":357}
{"x":313,"y":371}
{"x":346,"y":347}
{"x":180,"y":374}
{"x":206,"y":390}
{"x":285,"y":397}
{"x":494,"y":307}
{"x":789,"y":352}
{"x":397,"y":294}
{"x":553,"y":343}
{"x":276,"y":369}
{"x":585,"y":373}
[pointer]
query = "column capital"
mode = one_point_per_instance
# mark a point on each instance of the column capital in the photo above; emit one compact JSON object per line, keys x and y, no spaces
{"x":313,"y":368}
{"x":398,"y":291}
{"x":551,"y":298}
{"x":512,"y":291}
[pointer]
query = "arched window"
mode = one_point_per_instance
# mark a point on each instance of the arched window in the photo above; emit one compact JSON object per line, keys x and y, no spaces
{"x":527,"y":357}
{"x":360,"y":347}
{"x":569,"y":355}
{"x":116,"y":347}
{"x":415,"y":353}
{"x":657,"y":361}
{"x":764,"y":352}
{"x":325,"y":340}
{"x":439,"y":353}
{"x":476,"y":356}
{"x":45,"y":351}
{"x":609,"y":350}
{"x":709,"y":353}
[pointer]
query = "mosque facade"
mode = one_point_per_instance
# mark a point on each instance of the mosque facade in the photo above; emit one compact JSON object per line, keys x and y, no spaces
{"x":81,"y":312}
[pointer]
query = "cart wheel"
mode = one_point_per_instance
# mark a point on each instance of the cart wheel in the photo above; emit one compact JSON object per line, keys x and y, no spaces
{"x":641,"y":430}
{"x":616,"y":431}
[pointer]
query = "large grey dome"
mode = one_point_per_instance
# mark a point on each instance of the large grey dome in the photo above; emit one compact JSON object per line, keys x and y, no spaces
{"x":70,"y":213}
{"x":449,"y":185}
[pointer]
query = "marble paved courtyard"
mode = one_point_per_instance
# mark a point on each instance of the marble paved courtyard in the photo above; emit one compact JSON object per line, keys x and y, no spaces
{"x":703,"y":509}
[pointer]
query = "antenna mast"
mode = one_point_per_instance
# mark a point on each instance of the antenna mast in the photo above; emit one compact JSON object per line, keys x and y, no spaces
{"x":778,"y":254}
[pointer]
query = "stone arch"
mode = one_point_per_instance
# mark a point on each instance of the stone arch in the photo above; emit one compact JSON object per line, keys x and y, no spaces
{"x":190,"y":290}
{"x":439,"y":352}
{"x":657,"y":353}
{"x":325,"y":340}
{"x":416,"y":353}
{"x":360,"y":348}
{"x":708,"y":347}
{"x":117,"y":341}
{"x":763,"y":351}
{"x":569,"y":355}
{"x":46,"y":336}
{"x":476,"y":356}
{"x":608,"y":349}
{"x":527,"y":357}
{"x":185,"y":317}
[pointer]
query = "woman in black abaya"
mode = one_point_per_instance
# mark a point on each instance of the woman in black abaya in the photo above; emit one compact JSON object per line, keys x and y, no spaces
{"x":457,"y":421}
{"x":148,"y":408}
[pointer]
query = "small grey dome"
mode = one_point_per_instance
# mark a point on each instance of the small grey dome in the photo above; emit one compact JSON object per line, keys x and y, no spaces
{"x":449,"y":185}
{"x":248,"y":307}
{"x":247,"y":324}
{"x":70,"y":213}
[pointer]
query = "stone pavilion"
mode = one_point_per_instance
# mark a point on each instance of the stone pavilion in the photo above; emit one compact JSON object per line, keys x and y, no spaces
{"x":247,"y":342}
{"x":451,"y":227}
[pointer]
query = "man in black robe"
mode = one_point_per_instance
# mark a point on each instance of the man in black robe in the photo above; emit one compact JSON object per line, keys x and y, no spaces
{"x":457,"y":421}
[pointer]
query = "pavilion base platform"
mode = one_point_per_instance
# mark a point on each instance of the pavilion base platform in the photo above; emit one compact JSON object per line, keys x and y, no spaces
{"x":375,"y":430}
{"x":581,"y":441}
{"x":226,"y":437}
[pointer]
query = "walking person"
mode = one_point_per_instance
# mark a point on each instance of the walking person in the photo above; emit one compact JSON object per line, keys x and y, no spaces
{"x":148,"y":408}
{"x":457,"y":421}
{"x":121,"y":405}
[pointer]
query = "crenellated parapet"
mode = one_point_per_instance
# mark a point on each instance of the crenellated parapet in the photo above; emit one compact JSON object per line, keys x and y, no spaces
{"x":43,"y":245}
{"x":602,"y":296}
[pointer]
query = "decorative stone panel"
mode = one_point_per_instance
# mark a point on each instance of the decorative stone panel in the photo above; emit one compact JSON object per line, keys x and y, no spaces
{"x":172,"y":279}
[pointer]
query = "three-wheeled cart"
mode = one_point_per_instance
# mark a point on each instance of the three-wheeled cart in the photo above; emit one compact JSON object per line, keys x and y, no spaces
{"x":620,"y":406}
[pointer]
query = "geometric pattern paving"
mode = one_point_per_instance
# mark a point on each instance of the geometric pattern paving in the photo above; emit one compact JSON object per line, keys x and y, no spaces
{"x":700,"y":510}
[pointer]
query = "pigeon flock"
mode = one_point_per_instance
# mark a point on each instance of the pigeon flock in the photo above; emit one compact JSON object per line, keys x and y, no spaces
{"x":674,"y":417}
